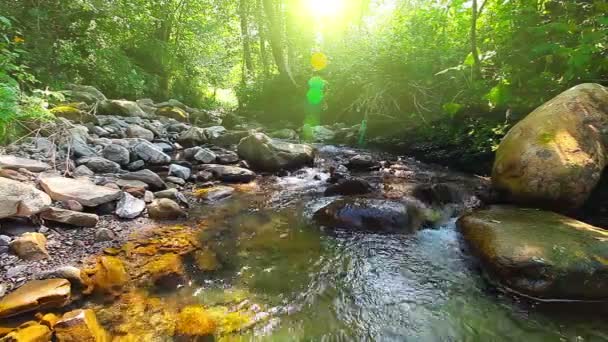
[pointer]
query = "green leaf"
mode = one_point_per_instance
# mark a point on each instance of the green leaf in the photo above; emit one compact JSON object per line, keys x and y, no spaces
{"x":452,"y":108}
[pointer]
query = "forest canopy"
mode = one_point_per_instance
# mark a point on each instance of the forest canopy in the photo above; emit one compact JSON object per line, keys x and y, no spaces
{"x":404,"y":63}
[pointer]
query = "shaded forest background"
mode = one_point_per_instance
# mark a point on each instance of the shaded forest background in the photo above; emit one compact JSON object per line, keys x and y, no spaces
{"x":445,"y":72}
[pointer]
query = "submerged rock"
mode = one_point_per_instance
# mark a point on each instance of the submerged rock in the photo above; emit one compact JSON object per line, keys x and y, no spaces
{"x":166,"y":271}
{"x":538,"y":253}
{"x":108,"y":277}
{"x":80,"y":325}
{"x":266,"y":154}
{"x":194,"y":321}
{"x":349,"y":187}
{"x":215,"y":193}
{"x":20,"y":199}
{"x":81,"y":190}
{"x":36,"y":295}
{"x":555,"y":156}
{"x":29,"y":332}
{"x":371,"y":215}
{"x":70,"y":217}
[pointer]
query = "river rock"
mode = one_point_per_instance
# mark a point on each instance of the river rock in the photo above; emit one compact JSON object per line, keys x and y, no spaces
{"x":148,"y":177}
{"x":29,"y":332}
{"x":20,"y":199}
{"x":349,"y":187}
{"x":370,"y":215}
{"x":165,"y":209}
{"x":166,"y":271}
{"x":205,"y":156}
{"x":179,"y":171}
{"x":82,"y":171}
{"x":194,"y":136}
{"x":129,"y":207}
{"x":215,"y":132}
{"x":30,"y":246}
{"x":70,"y":217}
{"x":81,"y":190}
{"x":104,"y":234}
{"x":135,"y":131}
{"x":99,"y":164}
{"x":131,"y":183}
{"x":84,"y":93}
{"x":285,"y":134}
{"x":555,"y":156}
{"x":230,"y":173}
{"x":215,"y":193}
{"x":361,"y":161}
{"x":173,"y":112}
{"x":266,"y":154}
{"x":539,"y":253}
{"x":80,"y":325}
{"x":151,"y":154}
{"x":36,"y":295}
{"x":136,"y":165}
{"x":122,"y":108}
{"x":116,"y":153}
{"x":16,"y":163}
{"x":71,"y":273}
{"x":227,"y":157}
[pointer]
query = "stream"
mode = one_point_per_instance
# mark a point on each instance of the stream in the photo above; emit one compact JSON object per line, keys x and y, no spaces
{"x":320,"y":284}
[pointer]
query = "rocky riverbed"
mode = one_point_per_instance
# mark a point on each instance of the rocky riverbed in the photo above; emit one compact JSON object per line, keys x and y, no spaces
{"x":150,"y":222}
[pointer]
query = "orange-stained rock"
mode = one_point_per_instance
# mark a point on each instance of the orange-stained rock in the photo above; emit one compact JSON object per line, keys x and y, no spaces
{"x":194,"y":321}
{"x":108,"y":277}
{"x":80,"y":326}
{"x":166,"y":271}
{"x":29,"y":333}
{"x":36,"y":295}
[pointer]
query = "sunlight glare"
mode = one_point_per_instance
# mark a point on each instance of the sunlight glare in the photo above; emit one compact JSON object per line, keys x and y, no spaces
{"x":326,"y":8}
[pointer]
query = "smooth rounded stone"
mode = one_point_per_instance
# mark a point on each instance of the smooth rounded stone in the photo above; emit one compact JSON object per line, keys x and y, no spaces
{"x":29,"y":332}
{"x":121,"y":108}
{"x":84,"y":93}
{"x":285,"y":134}
{"x":70,"y":217}
{"x":205,"y":156}
{"x":148,"y":197}
{"x":131,"y":183}
{"x":266,"y":154}
{"x":104,"y":234}
{"x":215,"y":193}
{"x":178,"y":127}
{"x":5,"y":240}
{"x":555,"y":156}
{"x":361,"y":161}
{"x":230,"y":173}
{"x":165,"y":209}
{"x":72,"y":205}
{"x":80,"y":325}
{"x":150,"y":154}
{"x":227,"y":157}
{"x":71,"y":273}
{"x":135,"y":131}
{"x":179,"y":171}
{"x":137,"y":192}
{"x":175,"y":180}
{"x":81,"y":190}
{"x":148,"y":177}
{"x":204,"y":176}
{"x":16,"y":163}
{"x":117,"y":154}
{"x":36,"y":295}
{"x":371,"y":215}
{"x":349,"y":187}
{"x":30,"y":246}
{"x":83,"y":171}
{"x":99,"y":164}
{"x":169,"y":193}
{"x":100,"y":131}
{"x":129,"y":207}
{"x":20,"y":199}
{"x":194,"y":136}
{"x":539,"y":254}
{"x":136,"y":165}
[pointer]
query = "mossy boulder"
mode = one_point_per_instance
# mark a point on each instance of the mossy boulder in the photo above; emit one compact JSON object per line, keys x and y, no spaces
{"x":539,"y":254}
{"x":73,"y":114}
{"x":173,"y":113}
{"x":555,"y":156}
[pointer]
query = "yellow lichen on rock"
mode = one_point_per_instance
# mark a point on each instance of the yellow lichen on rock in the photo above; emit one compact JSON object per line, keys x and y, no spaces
{"x":230,"y":321}
{"x":195,"y":321}
{"x":49,"y":319}
{"x":80,"y":326}
{"x":108,"y":277}
{"x":29,"y":332}
{"x":173,"y":113}
{"x":166,"y":270}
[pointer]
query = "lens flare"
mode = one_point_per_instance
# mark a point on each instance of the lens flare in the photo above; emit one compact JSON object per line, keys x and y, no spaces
{"x":326,"y":8}
{"x":318,"y":61}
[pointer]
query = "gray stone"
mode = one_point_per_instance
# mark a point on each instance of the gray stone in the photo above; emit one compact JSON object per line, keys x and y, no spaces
{"x":165,"y":147}
{"x":135,"y":131}
{"x":83,"y":171}
{"x":5,"y":240}
{"x":20,"y":199}
{"x":131,"y":183}
{"x":169,"y":193}
{"x":104,"y":234}
{"x":230,"y":173}
{"x":117,"y":154}
{"x":192,"y":137}
{"x":151,"y":154}
{"x":179,"y":171}
{"x":70,"y":217}
{"x":122,"y":108}
{"x":205,"y":156}
{"x":136,"y":165}
{"x":148,"y":177}
{"x":81,"y":190}
{"x":264,"y":153}
{"x":129,"y":207}
{"x":175,"y":180}
{"x":227,"y":157}
{"x":99,"y":164}
{"x":71,"y":273}
{"x":148,"y":197}
{"x":16,"y":163}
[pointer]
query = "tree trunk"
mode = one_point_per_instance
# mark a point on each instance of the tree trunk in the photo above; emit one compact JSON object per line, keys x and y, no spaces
{"x":276,"y":41}
{"x":247,"y":62}
{"x":474,"y":52}
{"x":262,"y":36}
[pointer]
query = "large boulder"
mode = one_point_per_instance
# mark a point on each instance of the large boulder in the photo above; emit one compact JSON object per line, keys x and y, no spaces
{"x":36,"y":295}
{"x":20,"y":199}
{"x":266,"y":154}
{"x":80,"y":190}
{"x":122,"y":108}
{"x":88,"y":94}
{"x":555,"y":156}
{"x":538,"y":253}
{"x":16,"y":163}
{"x":371,"y":215}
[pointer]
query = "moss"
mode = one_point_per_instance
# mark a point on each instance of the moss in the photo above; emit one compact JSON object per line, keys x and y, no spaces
{"x":195,"y":321}
{"x":230,"y":322}
{"x":166,"y":271}
{"x":206,"y":260}
{"x":173,"y":113}
{"x":546,"y":137}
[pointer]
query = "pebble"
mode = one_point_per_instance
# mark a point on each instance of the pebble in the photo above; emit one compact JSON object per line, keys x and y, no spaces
{"x":3,"y":289}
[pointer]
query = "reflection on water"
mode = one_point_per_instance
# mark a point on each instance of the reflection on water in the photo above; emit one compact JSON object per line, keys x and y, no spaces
{"x":341,"y":286}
